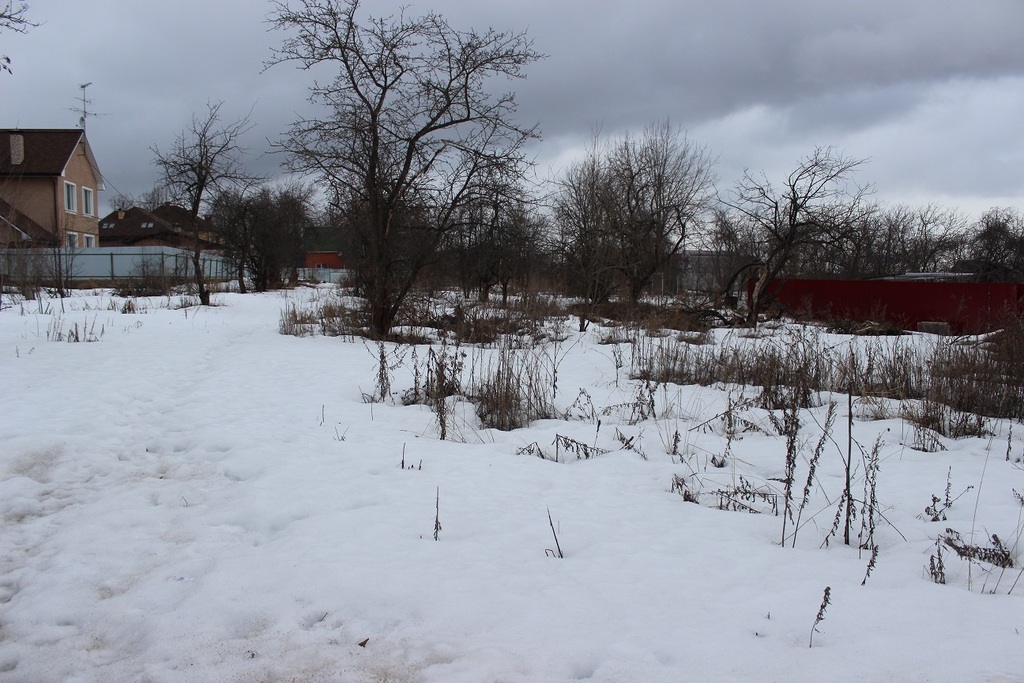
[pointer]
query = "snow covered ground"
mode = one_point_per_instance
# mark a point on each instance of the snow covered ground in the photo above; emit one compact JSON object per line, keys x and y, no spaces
{"x":196,"y":497}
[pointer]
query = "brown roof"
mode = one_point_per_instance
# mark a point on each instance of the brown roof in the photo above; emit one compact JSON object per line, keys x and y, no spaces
{"x":47,"y":152}
{"x":124,"y":228}
{"x":179,"y":217}
{"x":28,"y":229}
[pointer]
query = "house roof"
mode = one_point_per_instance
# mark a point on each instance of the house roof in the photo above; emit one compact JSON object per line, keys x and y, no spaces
{"x":28,"y":229}
{"x":180,"y":217}
{"x":136,"y":224}
{"x":132,"y":224}
{"x":46,"y":152}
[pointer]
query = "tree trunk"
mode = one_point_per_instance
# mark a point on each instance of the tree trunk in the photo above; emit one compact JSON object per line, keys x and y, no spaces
{"x":756,"y":297}
{"x":241,"y":278}
{"x":197,"y":263}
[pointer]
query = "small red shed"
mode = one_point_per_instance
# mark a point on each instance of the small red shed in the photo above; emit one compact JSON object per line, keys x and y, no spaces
{"x":333,"y":260}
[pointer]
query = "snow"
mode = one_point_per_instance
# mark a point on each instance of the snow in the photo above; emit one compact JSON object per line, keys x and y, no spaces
{"x":195,"y":497}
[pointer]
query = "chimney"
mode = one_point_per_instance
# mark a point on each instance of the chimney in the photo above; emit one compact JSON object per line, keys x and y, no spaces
{"x":120,"y":215}
{"x":17,"y":149}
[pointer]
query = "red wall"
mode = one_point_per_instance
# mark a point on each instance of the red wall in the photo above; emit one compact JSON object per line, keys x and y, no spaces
{"x":969,"y":307}
{"x":325,"y":259}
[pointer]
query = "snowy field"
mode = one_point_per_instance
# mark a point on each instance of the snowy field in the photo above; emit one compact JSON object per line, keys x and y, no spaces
{"x":194,"y":496}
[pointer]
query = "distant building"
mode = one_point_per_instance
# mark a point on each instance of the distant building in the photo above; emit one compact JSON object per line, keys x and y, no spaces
{"x":49,"y":181}
{"x":325,"y":260}
{"x":165,"y":226}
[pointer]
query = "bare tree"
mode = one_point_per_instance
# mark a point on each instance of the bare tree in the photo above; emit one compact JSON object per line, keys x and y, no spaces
{"x":231,"y":216}
{"x":496,"y":241}
{"x":204,"y":157}
{"x":13,"y":17}
{"x":889,"y":240}
{"x":518,"y":247}
{"x":728,"y":245}
{"x":997,"y":245}
{"x":929,"y":238}
{"x":656,"y":190}
{"x":149,"y":200}
{"x":817,"y":204}
{"x":262,"y":229}
{"x":411,"y":130}
{"x":626,"y":209}
{"x":585,"y":250}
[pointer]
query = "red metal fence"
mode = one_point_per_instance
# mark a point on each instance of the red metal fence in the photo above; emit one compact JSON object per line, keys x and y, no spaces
{"x":968,"y":307}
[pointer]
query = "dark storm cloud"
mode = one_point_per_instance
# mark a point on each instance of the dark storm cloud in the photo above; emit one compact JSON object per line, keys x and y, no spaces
{"x":697,"y":60}
{"x":929,"y":90}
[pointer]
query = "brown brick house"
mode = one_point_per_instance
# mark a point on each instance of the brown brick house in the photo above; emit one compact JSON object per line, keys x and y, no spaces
{"x":49,"y":182}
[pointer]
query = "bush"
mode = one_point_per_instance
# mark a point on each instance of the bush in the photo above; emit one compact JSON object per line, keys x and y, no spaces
{"x":513,"y":389}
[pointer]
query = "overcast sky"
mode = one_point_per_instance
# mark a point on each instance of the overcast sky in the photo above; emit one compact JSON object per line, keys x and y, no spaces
{"x":931,"y":92}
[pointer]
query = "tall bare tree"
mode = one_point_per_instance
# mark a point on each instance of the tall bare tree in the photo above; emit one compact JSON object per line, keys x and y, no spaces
{"x":657,"y":189}
{"x":627,"y":208}
{"x":409,"y":133}
{"x":585,"y":249}
{"x":817,"y":204}
{"x":204,"y":157}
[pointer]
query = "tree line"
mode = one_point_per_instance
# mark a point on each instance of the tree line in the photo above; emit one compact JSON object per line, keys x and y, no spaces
{"x":418,"y":175}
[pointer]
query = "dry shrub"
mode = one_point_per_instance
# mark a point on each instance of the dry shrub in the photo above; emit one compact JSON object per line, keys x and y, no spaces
{"x":882,"y":369}
{"x":986,"y":378}
{"x":298,"y":322}
{"x":649,"y":316}
{"x":618,"y":334}
{"x":146,"y":280}
{"x":437,"y":376}
{"x":788,"y":370}
{"x":481,"y":323}
{"x":866,"y":328}
{"x":996,"y":553}
{"x":513,"y":388}
{"x":929,"y":416}
{"x":958,"y":382}
{"x":536,"y":308}
{"x":328,"y":314}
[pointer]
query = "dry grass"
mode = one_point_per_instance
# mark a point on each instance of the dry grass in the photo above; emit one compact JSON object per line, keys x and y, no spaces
{"x":955,"y":383}
{"x":513,"y":388}
{"x":947,"y":386}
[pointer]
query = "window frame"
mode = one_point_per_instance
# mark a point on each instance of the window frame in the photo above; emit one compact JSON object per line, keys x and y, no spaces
{"x":88,"y":201}
{"x":70,"y":197}
{"x":71,"y":239}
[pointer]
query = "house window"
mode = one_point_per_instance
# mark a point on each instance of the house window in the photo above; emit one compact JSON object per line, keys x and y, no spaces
{"x":71,"y":239}
{"x":70,"y":197}
{"x":87,"y":203}
{"x":90,"y":241}
{"x":147,"y":224}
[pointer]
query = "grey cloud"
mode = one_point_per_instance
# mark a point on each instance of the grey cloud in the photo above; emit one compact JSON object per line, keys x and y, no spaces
{"x":762,"y":82}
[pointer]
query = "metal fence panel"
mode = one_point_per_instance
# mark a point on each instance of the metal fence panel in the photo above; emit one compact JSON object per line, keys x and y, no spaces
{"x":110,"y":263}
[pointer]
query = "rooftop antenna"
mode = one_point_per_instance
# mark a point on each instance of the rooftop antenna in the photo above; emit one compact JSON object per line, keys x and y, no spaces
{"x":83,"y":110}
